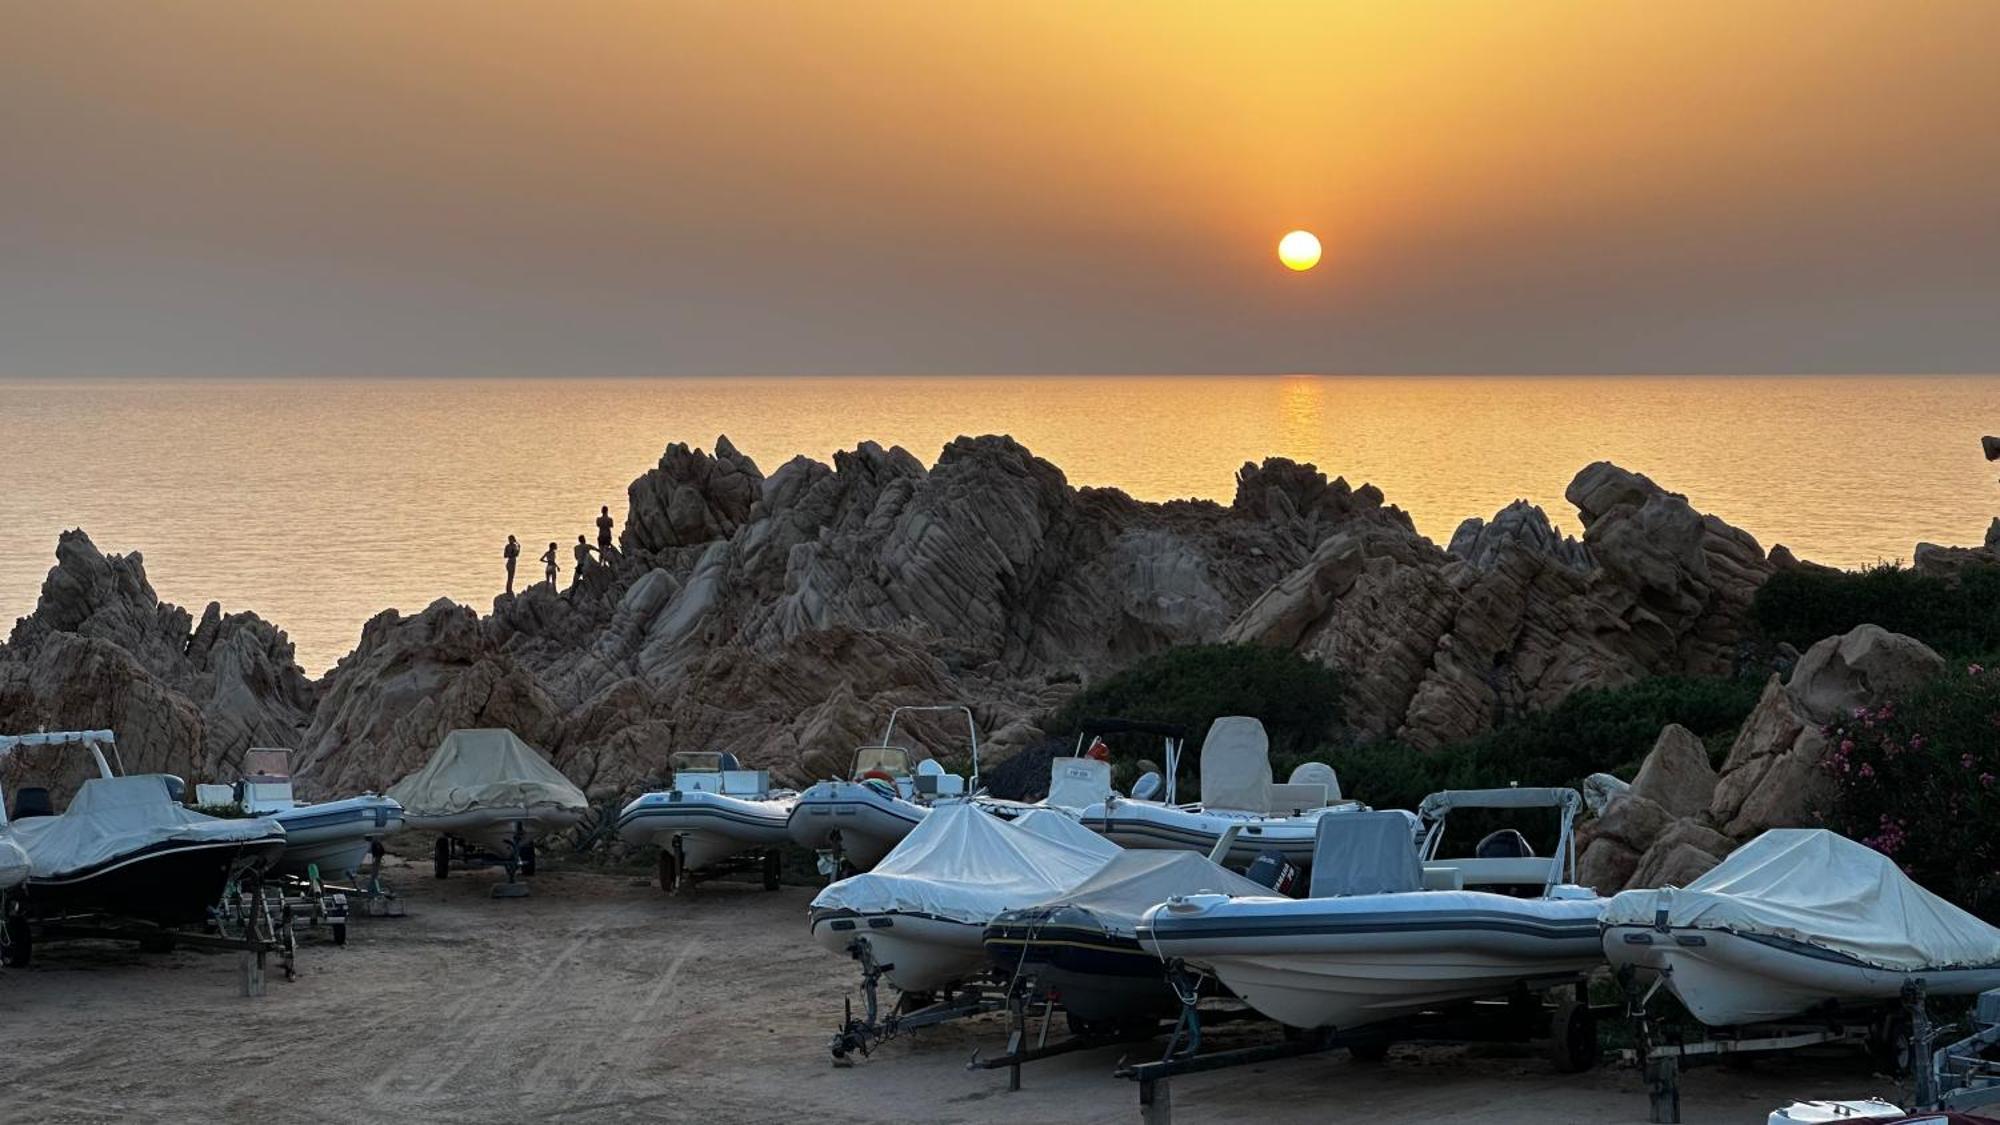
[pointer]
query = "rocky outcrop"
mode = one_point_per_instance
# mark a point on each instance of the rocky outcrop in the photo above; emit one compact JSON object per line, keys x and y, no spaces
{"x":1679,"y":818}
{"x":101,"y":650}
{"x":1514,"y":616}
{"x":780,"y":616}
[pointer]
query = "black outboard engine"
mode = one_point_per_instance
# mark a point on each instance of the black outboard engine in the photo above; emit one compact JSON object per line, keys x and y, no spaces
{"x":1271,"y":870}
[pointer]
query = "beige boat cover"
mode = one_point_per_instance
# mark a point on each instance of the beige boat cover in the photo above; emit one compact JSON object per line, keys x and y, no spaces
{"x":485,"y":769}
{"x":1236,"y":766}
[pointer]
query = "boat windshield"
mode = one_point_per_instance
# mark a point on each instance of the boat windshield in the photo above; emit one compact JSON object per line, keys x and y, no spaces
{"x":892,"y":760}
{"x":696,"y":761}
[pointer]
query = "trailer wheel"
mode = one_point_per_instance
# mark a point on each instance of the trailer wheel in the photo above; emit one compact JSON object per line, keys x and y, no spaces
{"x":17,"y":943}
{"x":669,"y":876}
{"x":528,"y":858}
{"x":1889,"y":1043}
{"x":771,"y":870}
{"x":1573,"y":1045}
{"x":441,"y":858}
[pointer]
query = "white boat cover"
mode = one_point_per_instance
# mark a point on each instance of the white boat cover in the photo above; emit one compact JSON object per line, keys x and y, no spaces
{"x":964,"y":864}
{"x":13,"y":863}
{"x":1134,"y":882}
{"x":477,"y":769}
{"x":1236,"y":765}
{"x":117,"y":816}
{"x":1820,"y":888}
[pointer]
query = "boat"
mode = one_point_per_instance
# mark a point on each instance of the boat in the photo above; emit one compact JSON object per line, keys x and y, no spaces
{"x":1237,"y":792}
{"x":921,"y":913}
{"x":488,"y":795}
{"x":1391,"y":929}
{"x":1083,"y":944}
{"x":326,"y":837}
{"x":126,"y":848}
{"x":855,"y":822}
{"x":1796,"y":920}
{"x":713,"y":814}
{"x":1864,"y":1111}
{"x":13,"y":861}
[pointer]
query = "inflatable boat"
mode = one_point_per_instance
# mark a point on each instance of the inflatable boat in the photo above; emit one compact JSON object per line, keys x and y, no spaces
{"x":922,"y":912}
{"x":854,"y":822}
{"x":712,"y":815}
{"x":1391,"y":930}
{"x":488,"y":794}
{"x":1795,"y":920}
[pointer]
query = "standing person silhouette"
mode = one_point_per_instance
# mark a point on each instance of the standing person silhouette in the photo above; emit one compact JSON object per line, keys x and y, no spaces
{"x":582,"y":550}
{"x":603,"y":530}
{"x":511,"y":552}
{"x":549,"y":565}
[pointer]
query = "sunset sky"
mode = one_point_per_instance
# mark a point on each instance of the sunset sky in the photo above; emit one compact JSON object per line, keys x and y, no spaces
{"x":485,"y":187}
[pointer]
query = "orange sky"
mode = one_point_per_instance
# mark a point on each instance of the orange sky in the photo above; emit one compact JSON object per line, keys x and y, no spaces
{"x":480,"y":187}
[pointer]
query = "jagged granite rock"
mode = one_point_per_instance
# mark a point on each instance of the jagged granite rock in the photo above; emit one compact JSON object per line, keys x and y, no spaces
{"x":780,"y":617}
{"x":1675,"y":773}
{"x":1858,"y":669}
{"x":1440,"y":645}
{"x":101,"y":650}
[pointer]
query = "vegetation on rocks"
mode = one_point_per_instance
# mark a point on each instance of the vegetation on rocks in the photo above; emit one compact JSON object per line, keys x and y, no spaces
{"x":1957,"y":614}
{"x":1297,"y":699}
{"x":1918,"y":780}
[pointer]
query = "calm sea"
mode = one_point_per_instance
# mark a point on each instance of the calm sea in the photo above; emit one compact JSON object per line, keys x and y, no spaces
{"x":319,"y":503}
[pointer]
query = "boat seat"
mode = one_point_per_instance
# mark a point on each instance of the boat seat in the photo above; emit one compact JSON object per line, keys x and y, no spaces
{"x":1318,"y":773}
{"x":1365,"y":853}
{"x":1076,"y":783}
{"x":1149,"y":787}
{"x":1294,"y":799}
{"x":1524,"y":871}
{"x":32,"y":800}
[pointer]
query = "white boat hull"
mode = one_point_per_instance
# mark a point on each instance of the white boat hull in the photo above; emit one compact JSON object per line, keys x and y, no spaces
{"x":13,"y":864}
{"x":1146,"y":824}
{"x":335,"y":836}
{"x":921,"y":953}
{"x":706,"y":828}
{"x":1361,"y":960}
{"x":1726,"y":978}
{"x":859,"y":820}
{"x":494,"y":828}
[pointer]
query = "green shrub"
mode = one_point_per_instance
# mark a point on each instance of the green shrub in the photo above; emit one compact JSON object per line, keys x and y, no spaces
{"x":1608,"y":729}
{"x":1959,"y":616}
{"x":1297,"y":699}
{"x":1919,"y":781}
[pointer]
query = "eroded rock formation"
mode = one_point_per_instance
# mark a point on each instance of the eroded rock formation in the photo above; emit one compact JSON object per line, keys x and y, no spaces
{"x":780,"y":616}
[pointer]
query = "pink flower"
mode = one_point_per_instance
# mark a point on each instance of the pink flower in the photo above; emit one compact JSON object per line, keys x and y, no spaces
{"x":1867,"y":770}
{"x":1973,"y":669}
{"x":1847,"y":746}
{"x":1986,"y":779}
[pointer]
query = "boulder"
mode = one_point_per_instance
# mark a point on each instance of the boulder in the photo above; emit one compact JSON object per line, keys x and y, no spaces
{"x":1606,"y":865}
{"x":1633,"y":821}
{"x":1860,"y":668}
{"x":1676,"y":866}
{"x":1676,"y":774}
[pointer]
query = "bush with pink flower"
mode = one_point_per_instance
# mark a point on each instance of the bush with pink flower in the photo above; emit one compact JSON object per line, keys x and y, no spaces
{"x":1915,"y":779}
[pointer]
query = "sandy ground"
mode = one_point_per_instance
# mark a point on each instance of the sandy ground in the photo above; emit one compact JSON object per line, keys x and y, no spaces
{"x":601,"y":999}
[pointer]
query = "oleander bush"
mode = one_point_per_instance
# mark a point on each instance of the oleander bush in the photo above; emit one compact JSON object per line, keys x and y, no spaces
{"x":1918,"y":780}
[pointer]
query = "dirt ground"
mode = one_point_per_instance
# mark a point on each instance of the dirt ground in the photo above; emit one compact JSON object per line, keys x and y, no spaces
{"x":601,"y":999}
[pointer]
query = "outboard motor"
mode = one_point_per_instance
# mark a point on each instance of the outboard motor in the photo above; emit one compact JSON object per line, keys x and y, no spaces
{"x":1271,"y":870}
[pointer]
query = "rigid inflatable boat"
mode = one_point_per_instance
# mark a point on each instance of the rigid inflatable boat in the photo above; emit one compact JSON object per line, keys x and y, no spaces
{"x":712,"y":814}
{"x":1390,"y":930}
{"x":923,"y":910}
{"x":1797,"y":919}
{"x":854,"y":822}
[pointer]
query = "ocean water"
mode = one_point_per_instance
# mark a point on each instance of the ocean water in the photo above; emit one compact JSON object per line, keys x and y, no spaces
{"x":319,"y":503}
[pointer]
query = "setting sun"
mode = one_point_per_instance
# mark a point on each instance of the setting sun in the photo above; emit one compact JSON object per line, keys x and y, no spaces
{"x":1299,"y":250}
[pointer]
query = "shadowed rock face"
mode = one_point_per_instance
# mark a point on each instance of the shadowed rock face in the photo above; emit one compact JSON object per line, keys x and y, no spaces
{"x":780,"y":617}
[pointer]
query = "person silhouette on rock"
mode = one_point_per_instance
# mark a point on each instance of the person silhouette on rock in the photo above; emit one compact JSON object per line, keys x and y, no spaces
{"x":603,"y":530}
{"x":583,"y":562}
{"x":549,"y":565}
{"x":511,"y":552}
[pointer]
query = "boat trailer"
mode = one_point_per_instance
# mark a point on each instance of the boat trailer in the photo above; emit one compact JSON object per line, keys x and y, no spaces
{"x":1538,"y":1010}
{"x":1892,"y":1033}
{"x":911,"y":1011}
{"x":260,"y":929}
{"x":763,"y":865}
